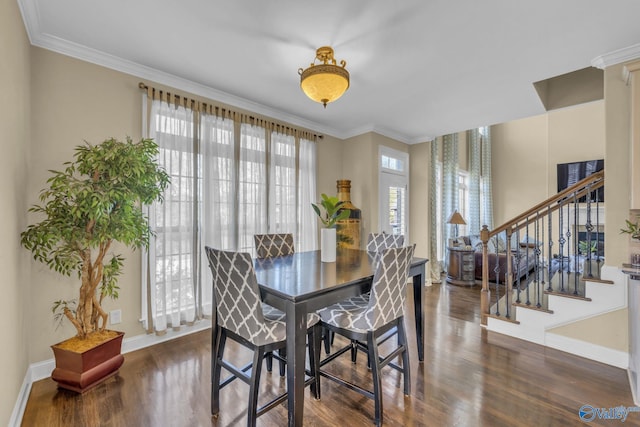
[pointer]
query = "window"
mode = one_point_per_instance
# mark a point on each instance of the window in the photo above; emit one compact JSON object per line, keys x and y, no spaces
{"x":282,"y":209}
{"x":393,"y":182}
{"x":225,"y":187}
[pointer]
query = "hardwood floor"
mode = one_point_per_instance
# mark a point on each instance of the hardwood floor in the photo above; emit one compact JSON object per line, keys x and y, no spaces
{"x":469,"y":378}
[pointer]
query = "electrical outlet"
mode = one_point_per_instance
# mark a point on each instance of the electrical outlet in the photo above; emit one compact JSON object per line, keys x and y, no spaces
{"x":115,"y":316}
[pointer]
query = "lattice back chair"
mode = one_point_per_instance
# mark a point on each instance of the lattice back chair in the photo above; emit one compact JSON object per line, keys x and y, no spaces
{"x":377,"y":242}
{"x":272,"y":245}
{"x":371,"y":322}
{"x":240,"y":317}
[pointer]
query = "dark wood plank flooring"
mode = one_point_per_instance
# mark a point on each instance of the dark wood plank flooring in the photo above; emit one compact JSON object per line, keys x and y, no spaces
{"x":469,"y":378}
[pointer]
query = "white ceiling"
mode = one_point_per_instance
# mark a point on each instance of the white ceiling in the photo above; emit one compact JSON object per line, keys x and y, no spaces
{"x":419,"y":68}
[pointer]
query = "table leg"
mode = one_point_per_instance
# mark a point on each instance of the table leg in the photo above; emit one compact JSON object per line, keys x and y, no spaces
{"x":296,"y":343}
{"x":418,"y":292}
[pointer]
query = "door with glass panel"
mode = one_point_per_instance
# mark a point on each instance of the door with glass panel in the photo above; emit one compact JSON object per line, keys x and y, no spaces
{"x":393,"y":192}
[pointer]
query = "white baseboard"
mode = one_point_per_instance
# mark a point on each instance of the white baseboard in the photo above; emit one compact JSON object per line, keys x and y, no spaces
{"x":41,"y":370}
{"x":609,"y":356}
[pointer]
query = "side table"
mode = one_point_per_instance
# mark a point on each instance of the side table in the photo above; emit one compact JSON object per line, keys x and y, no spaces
{"x":462,"y":267}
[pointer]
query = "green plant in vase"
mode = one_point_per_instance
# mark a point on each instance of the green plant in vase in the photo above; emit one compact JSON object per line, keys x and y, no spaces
{"x":329,"y":215}
{"x":332,"y":212}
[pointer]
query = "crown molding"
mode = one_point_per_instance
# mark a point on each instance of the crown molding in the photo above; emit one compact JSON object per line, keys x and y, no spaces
{"x":30,"y":16}
{"x":625,"y":54}
{"x":103,"y":59}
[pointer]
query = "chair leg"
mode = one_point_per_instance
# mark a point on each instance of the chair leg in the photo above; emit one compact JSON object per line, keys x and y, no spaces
{"x":217,"y":354}
{"x":328,"y":339}
{"x":377,"y":378}
{"x":315,"y":345}
{"x":406,"y":370}
{"x":256,"y":369}
{"x":283,"y":367}
{"x":354,"y":351}
{"x":269,"y":358}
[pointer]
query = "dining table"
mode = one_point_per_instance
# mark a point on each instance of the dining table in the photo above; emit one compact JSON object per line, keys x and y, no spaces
{"x":301,"y":283}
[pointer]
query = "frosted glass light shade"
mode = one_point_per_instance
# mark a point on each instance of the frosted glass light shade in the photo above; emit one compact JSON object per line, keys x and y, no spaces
{"x":324,"y":82}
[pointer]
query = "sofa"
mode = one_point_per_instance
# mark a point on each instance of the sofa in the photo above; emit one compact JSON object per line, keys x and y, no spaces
{"x":521,"y":264}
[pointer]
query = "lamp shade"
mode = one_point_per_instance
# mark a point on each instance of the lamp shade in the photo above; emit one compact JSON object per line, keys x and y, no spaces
{"x":456,"y":218}
{"x":324,"y":82}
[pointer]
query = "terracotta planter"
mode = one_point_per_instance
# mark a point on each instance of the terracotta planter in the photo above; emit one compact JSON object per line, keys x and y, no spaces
{"x":80,"y":372}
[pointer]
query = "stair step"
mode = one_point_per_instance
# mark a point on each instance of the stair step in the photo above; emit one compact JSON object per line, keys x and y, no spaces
{"x":533,"y":307}
{"x":505,"y":319}
{"x":565,"y":284}
{"x":597,"y":280}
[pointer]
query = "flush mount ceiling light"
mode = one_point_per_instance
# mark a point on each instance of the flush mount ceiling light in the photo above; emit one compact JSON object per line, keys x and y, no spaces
{"x":324,"y":82}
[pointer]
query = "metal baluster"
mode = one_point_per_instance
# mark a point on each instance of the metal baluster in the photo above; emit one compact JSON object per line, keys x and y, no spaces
{"x":598,"y":233}
{"x":526,"y":254}
{"x":496,"y":271}
{"x":517,"y":257}
{"x":576,"y":260}
{"x":550,"y":225}
{"x":561,"y":242}
{"x":507,"y":292}
{"x":589,"y":227}
{"x":536,"y":251}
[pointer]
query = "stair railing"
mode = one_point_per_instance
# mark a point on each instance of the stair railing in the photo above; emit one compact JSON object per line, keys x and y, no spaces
{"x":532,"y":233}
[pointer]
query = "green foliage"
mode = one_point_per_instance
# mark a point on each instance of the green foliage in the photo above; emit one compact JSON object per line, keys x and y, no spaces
{"x":94,"y":201}
{"x":332,"y":211}
{"x":632,"y":228}
{"x":584,"y":248}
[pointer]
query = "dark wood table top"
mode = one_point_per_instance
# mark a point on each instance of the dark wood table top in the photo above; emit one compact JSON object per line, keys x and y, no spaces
{"x":303,"y":276}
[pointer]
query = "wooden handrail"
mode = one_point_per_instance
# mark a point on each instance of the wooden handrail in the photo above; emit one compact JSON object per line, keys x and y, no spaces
{"x":584,"y":186}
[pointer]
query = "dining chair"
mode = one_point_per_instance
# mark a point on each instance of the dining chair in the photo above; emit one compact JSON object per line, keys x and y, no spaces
{"x":270,"y":246}
{"x":377,"y":242}
{"x":372,"y":322}
{"x":240,"y":317}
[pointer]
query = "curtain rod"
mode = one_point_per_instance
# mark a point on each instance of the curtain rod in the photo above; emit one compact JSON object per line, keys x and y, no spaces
{"x":143,"y":86}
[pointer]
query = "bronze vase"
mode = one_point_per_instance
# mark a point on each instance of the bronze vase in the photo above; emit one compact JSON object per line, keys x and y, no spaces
{"x":348,"y":230}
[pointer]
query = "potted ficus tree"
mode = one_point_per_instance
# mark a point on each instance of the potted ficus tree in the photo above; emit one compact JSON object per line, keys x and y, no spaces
{"x":91,"y":204}
{"x":332,"y":214}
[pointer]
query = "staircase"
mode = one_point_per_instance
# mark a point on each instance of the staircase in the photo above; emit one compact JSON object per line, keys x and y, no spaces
{"x":567,"y":280}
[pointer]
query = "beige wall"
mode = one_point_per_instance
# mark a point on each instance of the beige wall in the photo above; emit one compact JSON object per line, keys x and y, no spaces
{"x":618,"y":150}
{"x":588,"y":131}
{"x":14,"y":261}
{"x":540,"y":143}
{"x":75,"y":101}
{"x":419,"y":182}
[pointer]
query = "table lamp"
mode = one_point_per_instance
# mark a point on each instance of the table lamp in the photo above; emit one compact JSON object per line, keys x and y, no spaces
{"x":456,"y":219}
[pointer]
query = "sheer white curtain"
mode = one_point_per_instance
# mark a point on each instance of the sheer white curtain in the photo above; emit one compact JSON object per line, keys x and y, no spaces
{"x":221,"y":182}
{"x":487,"y":188}
{"x":307,"y":220}
{"x":473,"y":216}
{"x":252,"y":186}
{"x":172,"y":265}
{"x":283,"y":185}
{"x":218,"y":170}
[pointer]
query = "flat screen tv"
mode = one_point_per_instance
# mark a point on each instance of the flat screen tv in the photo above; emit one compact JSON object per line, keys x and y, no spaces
{"x":570,"y":173}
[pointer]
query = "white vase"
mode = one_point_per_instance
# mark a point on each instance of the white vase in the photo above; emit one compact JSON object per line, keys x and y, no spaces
{"x":328,"y":245}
